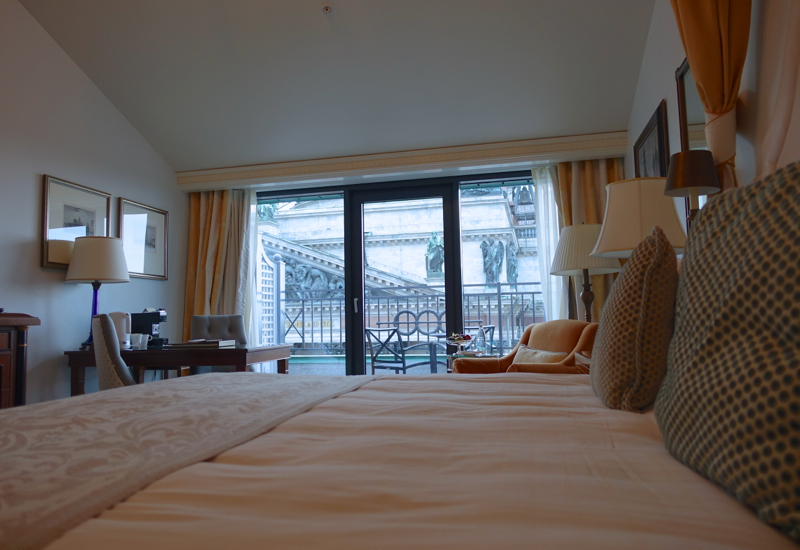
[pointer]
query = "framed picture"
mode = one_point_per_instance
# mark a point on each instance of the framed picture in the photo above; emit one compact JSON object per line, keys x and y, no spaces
{"x":144,"y":233}
{"x":651,"y":151}
{"x":70,"y":211}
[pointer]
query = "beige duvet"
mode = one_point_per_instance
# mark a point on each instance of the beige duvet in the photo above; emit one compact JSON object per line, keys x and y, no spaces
{"x":442,"y":461}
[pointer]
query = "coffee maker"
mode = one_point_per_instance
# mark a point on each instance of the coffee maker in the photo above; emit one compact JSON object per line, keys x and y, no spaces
{"x":149,"y":322}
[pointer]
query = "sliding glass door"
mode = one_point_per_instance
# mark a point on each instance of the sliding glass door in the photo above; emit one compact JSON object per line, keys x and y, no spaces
{"x":405,"y":280}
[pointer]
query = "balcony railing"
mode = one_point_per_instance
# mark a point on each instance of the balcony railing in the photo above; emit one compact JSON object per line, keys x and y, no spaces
{"x":313,"y":321}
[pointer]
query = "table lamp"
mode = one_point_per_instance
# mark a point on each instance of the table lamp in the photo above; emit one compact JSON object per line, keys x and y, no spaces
{"x":633,"y":208}
{"x":692,"y":174}
{"x":572,"y":258}
{"x":97,"y":260}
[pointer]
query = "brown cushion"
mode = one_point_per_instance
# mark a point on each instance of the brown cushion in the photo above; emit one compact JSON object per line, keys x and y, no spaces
{"x":529,"y":355}
{"x":729,"y":407}
{"x":630,"y":350}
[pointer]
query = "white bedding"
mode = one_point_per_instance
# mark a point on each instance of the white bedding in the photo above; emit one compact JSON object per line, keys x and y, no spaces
{"x":441,"y":461}
{"x":64,"y":461}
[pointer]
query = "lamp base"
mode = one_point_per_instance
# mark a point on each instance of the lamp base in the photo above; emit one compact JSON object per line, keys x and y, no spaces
{"x":693,"y":212}
{"x":89,"y":342}
{"x":587,"y":296}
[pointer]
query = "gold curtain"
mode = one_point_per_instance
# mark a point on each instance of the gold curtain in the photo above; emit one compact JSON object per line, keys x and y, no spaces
{"x":214,"y":284}
{"x":715,"y":35}
{"x":582,"y":197}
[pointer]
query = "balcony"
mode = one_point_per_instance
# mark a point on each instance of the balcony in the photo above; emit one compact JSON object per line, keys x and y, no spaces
{"x":313,"y":320}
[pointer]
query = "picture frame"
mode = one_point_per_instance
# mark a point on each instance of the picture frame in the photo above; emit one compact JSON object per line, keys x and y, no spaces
{"x":144,"y":231}
{"x":651,"y":150}
{"x":70,"y":210}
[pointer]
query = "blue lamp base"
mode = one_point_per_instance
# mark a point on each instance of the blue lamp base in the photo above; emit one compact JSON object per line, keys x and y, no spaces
{"x":89,"y":342}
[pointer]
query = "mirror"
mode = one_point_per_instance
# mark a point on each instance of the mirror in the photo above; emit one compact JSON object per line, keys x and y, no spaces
{"x":691,"y":114}
{"x":691,"y":118}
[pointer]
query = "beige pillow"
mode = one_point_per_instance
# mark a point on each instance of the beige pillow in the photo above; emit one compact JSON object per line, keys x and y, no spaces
{"x":528,"y":356}
{"x":729,"y":407}
{"x":630,"y":351}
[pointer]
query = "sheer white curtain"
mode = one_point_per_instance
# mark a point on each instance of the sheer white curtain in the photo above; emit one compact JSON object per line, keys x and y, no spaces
{"x":548,"y":229}
{"x":250,"y":260}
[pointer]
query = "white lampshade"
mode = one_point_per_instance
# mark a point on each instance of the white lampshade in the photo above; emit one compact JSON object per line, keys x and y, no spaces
{"x":100,"y":259}
{"x":572,"y":252}
{"x":633,"y":208}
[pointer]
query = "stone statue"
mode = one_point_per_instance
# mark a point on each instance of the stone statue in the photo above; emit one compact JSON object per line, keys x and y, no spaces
{"x":266,"y":212}
{"x":435,"y":254}
{"x":298,"y":280}
{"x":336,"y":287}
{"x":306,"y":282}
{"x":318,"y":282}
{"x":512,"y":264}
{"x":499,"y":252}
{"x":493,"y":253}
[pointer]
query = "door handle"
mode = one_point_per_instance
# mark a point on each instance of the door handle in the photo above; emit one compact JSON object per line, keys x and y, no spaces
{"x":355,"y":305}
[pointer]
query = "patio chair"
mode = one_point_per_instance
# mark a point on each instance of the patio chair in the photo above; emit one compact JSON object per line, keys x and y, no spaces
{"x":387,"y":351}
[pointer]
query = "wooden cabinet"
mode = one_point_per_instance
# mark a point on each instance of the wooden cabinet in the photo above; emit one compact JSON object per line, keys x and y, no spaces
{"x":13,"y":357}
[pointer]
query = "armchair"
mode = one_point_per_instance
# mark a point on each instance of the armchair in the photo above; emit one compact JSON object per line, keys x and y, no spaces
{"x":561,"y":336}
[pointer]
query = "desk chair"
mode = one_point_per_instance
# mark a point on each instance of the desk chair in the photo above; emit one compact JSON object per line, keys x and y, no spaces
{"x":218,"y":327}
{"x":112,"y":372}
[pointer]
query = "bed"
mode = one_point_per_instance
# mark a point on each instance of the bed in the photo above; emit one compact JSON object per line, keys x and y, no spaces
{"x":441,"y":461}
{"x":500,"y":461}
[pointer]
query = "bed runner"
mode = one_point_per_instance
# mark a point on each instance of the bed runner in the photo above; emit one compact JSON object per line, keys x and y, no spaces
{"x":64,"y":461}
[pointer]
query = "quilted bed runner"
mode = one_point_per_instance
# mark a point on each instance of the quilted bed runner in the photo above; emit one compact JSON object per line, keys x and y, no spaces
{"x":64,"y":461}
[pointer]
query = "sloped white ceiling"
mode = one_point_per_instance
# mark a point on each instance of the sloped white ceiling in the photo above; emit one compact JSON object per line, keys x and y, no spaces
{"x":212,"y":83}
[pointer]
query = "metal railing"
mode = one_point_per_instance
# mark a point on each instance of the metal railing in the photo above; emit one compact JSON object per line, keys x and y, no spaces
{"x":314,"y":322}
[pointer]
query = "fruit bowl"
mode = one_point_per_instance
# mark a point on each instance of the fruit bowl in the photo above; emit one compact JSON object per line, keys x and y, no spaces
{"x":460,"y":341}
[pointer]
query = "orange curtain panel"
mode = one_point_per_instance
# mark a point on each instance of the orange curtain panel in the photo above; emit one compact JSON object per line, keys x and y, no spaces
{"x":715,"y":35}
{"x":582,"y":196}
{"x":214,"y":284}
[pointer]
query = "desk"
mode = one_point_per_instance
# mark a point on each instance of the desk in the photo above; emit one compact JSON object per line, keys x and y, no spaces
{"x":175,"y":359}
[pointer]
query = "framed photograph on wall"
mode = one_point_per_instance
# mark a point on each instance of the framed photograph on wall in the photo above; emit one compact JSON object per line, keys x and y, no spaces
{"x":70,"y":211}
{"x":144,"y":233}
{"x":651,"y":151}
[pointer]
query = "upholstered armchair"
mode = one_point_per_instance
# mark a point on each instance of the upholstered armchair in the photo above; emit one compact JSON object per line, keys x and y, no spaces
{"x":557,"y":337}
{"x":112,"y":372}
{"x":219,"y":327}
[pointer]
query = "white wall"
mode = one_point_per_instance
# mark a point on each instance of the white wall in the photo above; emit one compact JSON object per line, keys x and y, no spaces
{"x":664,"y":54}
{"x":53,"y":120}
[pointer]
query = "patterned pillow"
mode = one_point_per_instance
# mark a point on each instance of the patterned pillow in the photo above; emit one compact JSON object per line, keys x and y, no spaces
{"x":729,"y":407}
{"x":528,"y":356}
{"x":630,"y":352}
